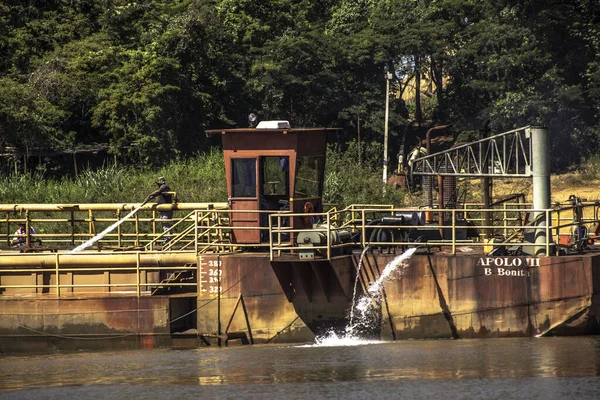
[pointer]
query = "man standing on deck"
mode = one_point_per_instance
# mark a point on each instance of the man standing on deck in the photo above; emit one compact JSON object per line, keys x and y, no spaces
{"x":163,"y":196}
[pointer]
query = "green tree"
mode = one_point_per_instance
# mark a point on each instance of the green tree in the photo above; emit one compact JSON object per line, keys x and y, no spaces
{"x":212,"y":74}
{"x":28,"y":120}
{"x":524,"y":63}
{"x":135,"y":108}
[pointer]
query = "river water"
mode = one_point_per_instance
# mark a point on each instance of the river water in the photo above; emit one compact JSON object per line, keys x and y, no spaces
{"x":520,"y":368}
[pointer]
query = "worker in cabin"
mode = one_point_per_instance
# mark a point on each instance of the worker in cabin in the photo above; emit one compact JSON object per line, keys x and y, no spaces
{"x":163,"y":195}
{"x":308,"y":220}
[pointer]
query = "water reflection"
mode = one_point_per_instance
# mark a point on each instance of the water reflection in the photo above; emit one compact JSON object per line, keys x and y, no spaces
{"x":459,"y":364}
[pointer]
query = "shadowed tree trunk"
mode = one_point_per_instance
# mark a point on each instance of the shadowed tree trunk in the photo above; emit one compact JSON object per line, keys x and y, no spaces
{"x":418,"y":111}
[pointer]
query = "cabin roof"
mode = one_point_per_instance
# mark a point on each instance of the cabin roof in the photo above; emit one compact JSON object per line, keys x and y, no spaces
{"x":273,"y":131}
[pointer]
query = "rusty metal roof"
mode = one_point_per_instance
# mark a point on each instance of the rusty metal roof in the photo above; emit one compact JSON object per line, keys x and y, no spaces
{"x":255,"y":130}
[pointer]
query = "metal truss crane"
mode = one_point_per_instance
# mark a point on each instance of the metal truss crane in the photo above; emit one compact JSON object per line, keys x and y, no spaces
{"x":507,"y":154}
{"x":520,"y":153}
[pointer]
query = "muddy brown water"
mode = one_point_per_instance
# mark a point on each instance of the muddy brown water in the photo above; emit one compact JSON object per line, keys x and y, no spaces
{"x":520,"y":368}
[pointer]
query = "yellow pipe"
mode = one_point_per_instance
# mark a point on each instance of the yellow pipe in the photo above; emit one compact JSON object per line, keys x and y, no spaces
{"x":96,"y":259}
{"x":110,"y":207}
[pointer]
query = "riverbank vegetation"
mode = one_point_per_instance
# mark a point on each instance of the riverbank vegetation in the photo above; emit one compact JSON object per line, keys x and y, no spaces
{"x":350,"y":179}
{"x":200,"y":178}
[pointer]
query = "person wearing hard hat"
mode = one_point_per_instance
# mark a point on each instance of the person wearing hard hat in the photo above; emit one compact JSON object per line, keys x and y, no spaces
{"x":163,"y":195}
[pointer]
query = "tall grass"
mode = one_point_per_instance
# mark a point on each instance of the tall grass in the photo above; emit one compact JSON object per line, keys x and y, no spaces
{"x":350,"y":180}
{"x":199,"y":179}
{"x":589,"y":170}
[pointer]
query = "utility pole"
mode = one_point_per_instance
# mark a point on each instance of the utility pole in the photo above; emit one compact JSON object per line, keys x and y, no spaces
{"x":388,"y":76}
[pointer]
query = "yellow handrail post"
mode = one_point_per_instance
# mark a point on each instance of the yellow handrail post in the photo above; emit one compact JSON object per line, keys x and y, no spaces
{"x":57,"y":276}
{"x":72,"y":215}
{"x":119,"y":229}
{"x":328,"y":238}
{"x":137,"y":229}
{"x":153,"y":229}
{"x":8,"y":228}
{"x":27,"y":229}
{"x":363,"y":227}
{"x":548,"y":236}
{"x":558,"y":224}
{"x":270,"y":238}
{"x":505,"y":214}
{"x":453,"y":232}
{"x":196,"y":232}
{"x":91,"y":225}
{"x":137,"y":268}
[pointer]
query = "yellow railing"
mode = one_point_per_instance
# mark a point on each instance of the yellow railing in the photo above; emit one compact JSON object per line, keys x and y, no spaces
{"x":567,"y":226}
{"x":202,"y":227}
{"x":65,"y":226}
{"x":508,"y":227}
{"x":66,"y":274}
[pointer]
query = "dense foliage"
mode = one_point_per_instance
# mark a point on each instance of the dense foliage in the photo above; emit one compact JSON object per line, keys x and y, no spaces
{"x":148,"y":77}
{"x":194,"y":179}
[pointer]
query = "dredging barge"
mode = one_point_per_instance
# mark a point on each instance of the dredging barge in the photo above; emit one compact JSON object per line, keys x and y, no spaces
{"x":275,"y":265}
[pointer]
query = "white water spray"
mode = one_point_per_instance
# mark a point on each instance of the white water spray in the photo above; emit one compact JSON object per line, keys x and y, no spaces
{"x":360,"y":261}
{"x":364,"y":306}
{"x":104,"y":232}
{"x":373,"y":295}
{"x":392,"y":266}
{"x":332,"y":339}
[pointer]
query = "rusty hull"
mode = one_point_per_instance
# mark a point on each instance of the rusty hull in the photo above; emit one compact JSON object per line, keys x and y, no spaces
{"x":238,"y":296}
{"x":477,"y":297}
{"x":247,"y":297}
{"x":445,"y":296}
{"x":46,"y":323}
{"x":248,"y":281}
{"x":320,"y":291}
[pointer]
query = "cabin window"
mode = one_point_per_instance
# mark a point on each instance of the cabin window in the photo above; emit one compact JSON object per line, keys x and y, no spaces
{"x":275,"y":172}
{"x":244,"y":177}
{"x":308,"y":171}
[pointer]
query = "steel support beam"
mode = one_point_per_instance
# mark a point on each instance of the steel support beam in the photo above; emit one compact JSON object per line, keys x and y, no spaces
{"x":541,"y":184}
